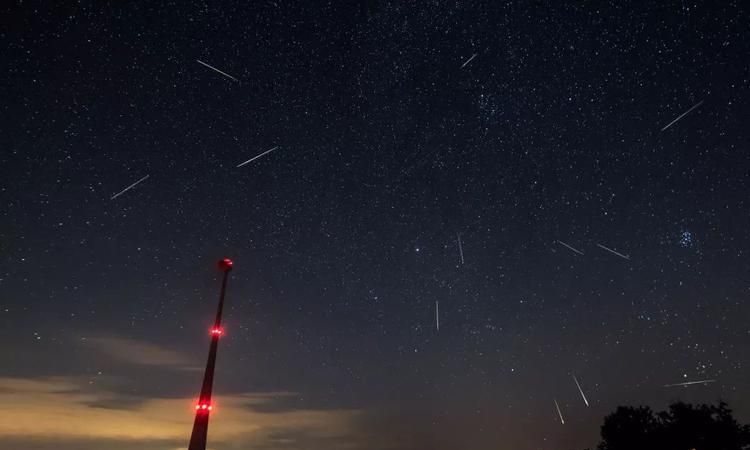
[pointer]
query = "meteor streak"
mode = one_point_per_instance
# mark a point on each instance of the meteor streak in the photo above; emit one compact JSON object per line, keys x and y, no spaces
{"x":437,"y":315}
{"x":460,"y":247}
{"x":682,"y":115}
{"x":217,"y":70}
{"x":559,"y":412}
{"x":688,"y":383}
{"x":568,"y":246}
{"x":469,"y":60}
{"x":614,"y":252}
{"x":129,"y":188}
{"x":257,"y":156}
{"x":581,"y":391}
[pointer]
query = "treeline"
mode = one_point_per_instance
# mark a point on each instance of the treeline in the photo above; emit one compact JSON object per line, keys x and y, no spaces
{"x":681,"y":427}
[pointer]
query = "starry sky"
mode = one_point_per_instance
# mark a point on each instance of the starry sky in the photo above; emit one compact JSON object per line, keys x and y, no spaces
{"x":518,"y":163}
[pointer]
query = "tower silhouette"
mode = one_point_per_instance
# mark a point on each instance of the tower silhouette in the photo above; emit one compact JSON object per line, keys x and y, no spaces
{"x":204,"y":407}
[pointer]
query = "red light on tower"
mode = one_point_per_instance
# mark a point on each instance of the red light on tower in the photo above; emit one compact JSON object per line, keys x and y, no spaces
{"x":217,"y":331}
{"x":225,"y":265}
{"x":204,"y":407}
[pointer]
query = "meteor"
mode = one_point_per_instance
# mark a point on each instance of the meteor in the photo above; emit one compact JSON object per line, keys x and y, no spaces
{"x":568,"y":246}
{"x":469,"y":60}
{"x":614,"y":252}
{"x":559,"y":412}
{"x":257,"y":156}
{"x":129,"y":187}
{"x":688,"y":383}
{"x":581,"y":391}
{"x":437,"y":315}
{"x":460,"y":247}
{"x":217,"y":70}
{"x":682,"y":115}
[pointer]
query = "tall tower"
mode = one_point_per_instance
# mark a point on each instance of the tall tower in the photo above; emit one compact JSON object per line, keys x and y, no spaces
{"x":203,"y":407}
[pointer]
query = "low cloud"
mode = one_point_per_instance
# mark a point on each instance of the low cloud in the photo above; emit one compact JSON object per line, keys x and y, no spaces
{"x":136,"y":352}
{"x":62,"y":413}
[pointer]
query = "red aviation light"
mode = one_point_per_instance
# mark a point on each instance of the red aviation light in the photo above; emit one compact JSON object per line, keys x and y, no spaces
{"x":226,"y":264}
{"x":204,"y":407}
{"x":217,"y":331}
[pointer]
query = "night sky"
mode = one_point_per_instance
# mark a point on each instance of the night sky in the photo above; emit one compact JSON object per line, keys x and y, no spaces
{"x":477,"y":155}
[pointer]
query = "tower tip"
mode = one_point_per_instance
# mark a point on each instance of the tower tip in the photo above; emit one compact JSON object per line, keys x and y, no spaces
{"x":225,"y":265}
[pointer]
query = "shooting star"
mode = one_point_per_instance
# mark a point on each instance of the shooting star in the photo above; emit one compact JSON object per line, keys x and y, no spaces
{"x":257,"y":156}
{"x":612,"y":251}
{"x":581,"y":391}
{"x":460,"y":247}
{"x":437,"y":315}
{"x":568,"y":246}
{"x":217,"y":70}
{"x":682,"y":115}
{"x":469,"y":60}
{"x":129,"y":187}
{"x":559,"y":412}
{"x":688,"y":383}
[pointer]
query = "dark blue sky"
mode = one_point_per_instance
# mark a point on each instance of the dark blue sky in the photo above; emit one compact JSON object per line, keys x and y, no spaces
{"x":346,"y":235}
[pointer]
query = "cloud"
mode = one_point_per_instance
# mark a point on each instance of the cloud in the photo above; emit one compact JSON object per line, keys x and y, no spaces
{"x":62,"y":413}
{"x":139,"y":352}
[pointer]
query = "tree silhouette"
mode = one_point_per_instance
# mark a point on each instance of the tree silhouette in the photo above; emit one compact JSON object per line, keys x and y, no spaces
{"x":682,"y":427}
